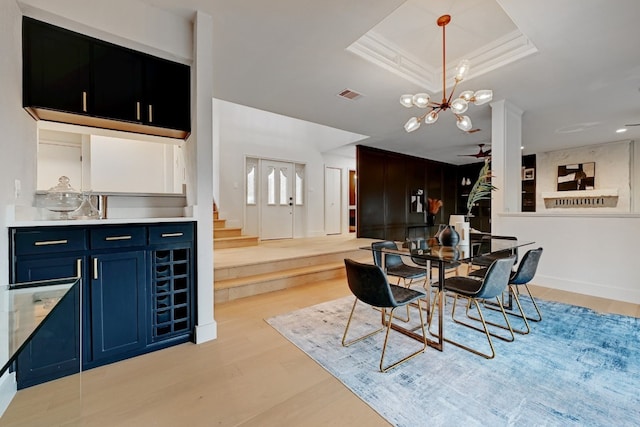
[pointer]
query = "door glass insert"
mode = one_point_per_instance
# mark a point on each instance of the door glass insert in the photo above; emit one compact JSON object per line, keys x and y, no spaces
{"x":283,"y":187}
{"x":299,"y":185}
{"x":252,"y":167}
{"x":271,"y":186}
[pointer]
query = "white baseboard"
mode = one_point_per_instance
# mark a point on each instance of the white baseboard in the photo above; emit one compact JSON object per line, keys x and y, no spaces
{"x":207,"y":332}
{"x":585,"y":288}
{"x":8,"y":389}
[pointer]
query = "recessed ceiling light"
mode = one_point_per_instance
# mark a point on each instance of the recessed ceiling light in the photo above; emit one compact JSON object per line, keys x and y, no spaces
{"x":621,"y":130}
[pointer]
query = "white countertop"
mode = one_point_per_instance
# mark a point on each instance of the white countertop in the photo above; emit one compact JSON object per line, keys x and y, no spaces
{"x":49,"y":223}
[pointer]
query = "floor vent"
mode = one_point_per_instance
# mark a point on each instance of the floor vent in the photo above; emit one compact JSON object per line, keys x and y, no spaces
{"x":349,"y":94}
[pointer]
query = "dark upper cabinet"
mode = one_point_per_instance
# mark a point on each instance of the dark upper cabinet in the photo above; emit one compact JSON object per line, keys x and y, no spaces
{"x":72,"y":78}
{"x":117,"y":83}
{"x":167,"y":91}
{"x":56,"y":67}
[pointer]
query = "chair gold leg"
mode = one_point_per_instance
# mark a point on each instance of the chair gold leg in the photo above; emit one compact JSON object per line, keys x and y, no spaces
{"x":346,"y":343}
{"x":506,"y":326}
{"x":484,"y":329}
{"x":410,"y":356}
{"x":493,"y":306}
{"x":521,"y":315}
{"x":534,"y":305}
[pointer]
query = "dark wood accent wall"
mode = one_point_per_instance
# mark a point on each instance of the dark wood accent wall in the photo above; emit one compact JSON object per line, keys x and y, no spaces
{"x":386,"y":181}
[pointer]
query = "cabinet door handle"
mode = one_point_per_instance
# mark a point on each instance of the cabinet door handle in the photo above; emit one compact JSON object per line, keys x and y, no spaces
{"x":111,"y":238}
{"x":51,"y":242}
{"x":79,"y":267}
{"x":84,"y":101}
{"x":138,"y":110}
{"x":95,"y":268}
{"x":172,"y":235}
{"x":150,"y":113}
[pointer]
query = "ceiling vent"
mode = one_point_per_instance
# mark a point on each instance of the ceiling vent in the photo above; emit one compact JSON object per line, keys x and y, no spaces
{"x":349,"y":94}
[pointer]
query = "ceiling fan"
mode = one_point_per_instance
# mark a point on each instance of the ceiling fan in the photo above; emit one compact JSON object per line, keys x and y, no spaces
{"x":481,"y":154}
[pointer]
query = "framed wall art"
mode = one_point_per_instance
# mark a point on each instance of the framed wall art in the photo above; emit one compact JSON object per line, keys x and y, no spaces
{"x":577,"y":176}
{"x":528,"y":174}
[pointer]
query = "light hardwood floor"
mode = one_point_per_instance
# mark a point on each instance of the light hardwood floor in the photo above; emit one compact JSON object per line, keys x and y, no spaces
{"x":249,"y":376}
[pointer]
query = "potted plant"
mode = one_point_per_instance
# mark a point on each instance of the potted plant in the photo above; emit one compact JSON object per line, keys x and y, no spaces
{"x":482,"y":188}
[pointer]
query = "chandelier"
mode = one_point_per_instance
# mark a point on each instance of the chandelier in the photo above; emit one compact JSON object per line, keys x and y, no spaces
{"x":458,"y":106}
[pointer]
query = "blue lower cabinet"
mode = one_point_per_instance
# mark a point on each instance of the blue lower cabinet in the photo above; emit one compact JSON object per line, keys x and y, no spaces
{"x":117,"y":310}
{"x":54,"y":351}
{"x":137,"y":292}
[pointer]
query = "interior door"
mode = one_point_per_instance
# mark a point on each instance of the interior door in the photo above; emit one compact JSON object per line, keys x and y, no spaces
{"x":332,"y":205}
{"x":276,"y":200}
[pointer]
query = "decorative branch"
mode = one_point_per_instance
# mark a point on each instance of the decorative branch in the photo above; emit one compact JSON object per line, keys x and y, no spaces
{"x":482,"y":188}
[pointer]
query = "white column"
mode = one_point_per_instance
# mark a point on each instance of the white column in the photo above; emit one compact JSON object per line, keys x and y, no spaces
{"x":634,"y":176}
{"x":506,"y":160}
{"x":206,"y":328}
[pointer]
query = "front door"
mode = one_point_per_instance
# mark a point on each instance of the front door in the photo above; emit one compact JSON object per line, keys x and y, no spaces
{"x":276,"y":217}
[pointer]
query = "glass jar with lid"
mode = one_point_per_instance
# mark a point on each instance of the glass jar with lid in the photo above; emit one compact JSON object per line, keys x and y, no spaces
{"x":63,"y":198}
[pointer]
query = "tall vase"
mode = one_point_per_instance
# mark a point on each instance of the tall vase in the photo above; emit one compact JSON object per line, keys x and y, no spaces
{"x":431,"y":219}
{"x":449,"y":236}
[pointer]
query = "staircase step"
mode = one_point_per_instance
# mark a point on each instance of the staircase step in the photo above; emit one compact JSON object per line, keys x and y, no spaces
{"x":219,"y":223}
{"x":252,"y":268}
{"x":235,"y":242}
{"x":252,"y":279}
{"x":227,"y":232}
{"x":231,"y":289}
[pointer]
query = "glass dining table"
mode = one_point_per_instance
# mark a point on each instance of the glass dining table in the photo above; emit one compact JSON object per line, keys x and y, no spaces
{"x":429,"y":255}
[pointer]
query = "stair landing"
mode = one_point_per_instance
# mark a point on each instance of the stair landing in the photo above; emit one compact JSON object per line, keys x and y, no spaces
{"x":280,"y":264}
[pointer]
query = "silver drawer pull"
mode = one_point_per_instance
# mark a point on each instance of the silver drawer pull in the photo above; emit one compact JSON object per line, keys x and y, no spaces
{"x":51,"y":242}
{"x":172,"y":235}
{"x":111,"y":238}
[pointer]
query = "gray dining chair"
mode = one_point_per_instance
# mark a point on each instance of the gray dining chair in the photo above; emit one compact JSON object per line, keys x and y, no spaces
{"x":370,"y":285}
{"x":476,"y":289}
{"x":394,"y":265}
{"x":484,"y":255}
{"x":520,"y":278}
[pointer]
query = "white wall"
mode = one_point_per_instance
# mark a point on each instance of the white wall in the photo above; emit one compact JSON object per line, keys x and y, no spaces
{"x":275,"y":137}
{"x":612,"y":161}
{"x":18,"y":147}
{"x":233,"y":153}
{"x":586,"y":250}
{"x":587,"y":254}
{"x":131,"y":166}
{"x":234,"y":149}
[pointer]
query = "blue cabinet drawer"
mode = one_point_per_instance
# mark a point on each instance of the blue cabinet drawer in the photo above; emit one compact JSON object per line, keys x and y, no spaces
{"x":171,"y":233}
{"x":118,"y":237}
{"x":36,"y":242}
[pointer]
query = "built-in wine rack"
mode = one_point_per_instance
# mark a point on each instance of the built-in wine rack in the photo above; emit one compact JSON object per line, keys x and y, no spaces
{"x":171,"y":293}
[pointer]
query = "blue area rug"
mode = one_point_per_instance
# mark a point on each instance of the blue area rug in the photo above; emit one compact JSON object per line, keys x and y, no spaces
{"x":577,"y":367}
